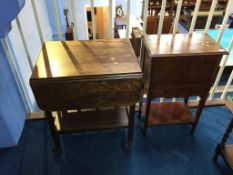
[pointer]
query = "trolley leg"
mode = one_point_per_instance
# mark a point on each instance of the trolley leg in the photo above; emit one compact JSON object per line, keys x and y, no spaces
{"x":56,"y":140}
{"x":130,"y":128}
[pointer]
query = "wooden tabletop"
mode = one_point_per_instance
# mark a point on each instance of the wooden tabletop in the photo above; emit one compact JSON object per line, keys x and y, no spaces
{"x":182,"y":45}
{"x":85,"y":58}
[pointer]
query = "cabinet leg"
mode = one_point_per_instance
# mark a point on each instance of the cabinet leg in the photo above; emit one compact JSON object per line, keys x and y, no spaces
{"x":141,"y":102}
{"x":147,"y":112}
{"x":222,"y":144}
{"x":198,"y":114}
{"x":140,"y":108}
{"x":56,"y":140}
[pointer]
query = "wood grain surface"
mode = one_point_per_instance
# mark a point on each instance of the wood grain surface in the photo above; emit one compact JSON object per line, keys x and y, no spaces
{"x":182,"y":45}
{"x":169,"y":113}
{"x":183,"y":66}
{"x":180,"y":76}
{"x":83,"y":74}
{"x":85,"y":58}
{"x":101,"y":120}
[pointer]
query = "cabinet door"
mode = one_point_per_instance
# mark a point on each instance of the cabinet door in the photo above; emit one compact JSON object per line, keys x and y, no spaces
{"x":152,"y":25}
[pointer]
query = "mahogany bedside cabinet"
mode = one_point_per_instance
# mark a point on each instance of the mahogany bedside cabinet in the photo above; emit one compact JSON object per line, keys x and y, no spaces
{"x":181,"y":66}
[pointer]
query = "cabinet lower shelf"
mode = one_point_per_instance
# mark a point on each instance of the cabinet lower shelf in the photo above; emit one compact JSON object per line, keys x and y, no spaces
{"x":92,"y":120}
{"x":166,"y":113}
{"x":227,"y":153}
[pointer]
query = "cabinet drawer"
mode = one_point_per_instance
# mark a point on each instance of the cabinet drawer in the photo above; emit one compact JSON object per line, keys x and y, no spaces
{"x":169,"y":91}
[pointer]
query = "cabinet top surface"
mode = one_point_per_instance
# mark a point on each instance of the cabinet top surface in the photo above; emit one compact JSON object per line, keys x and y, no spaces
{"x":85,"y":58}
{"x":182,"y":45}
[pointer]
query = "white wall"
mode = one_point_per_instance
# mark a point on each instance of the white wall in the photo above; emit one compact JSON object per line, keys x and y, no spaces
{"x":135,"y":10}
{"x":81,"y":15}
{"x":44,"y":20}
{"x":82,"y":19}
{"x":67,"y":5}
{"x":124,"y":5}
{"x":135,"y":7}
{"x":29,"y":28}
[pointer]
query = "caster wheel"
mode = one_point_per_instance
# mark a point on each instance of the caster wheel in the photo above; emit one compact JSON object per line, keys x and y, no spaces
{"x":192,"y":132}
{"x":127,"y":146}
{"x":140,"y":115}
{"x":215,"y":158}
{"x":117,"y":130}
{"x":56,"y":151}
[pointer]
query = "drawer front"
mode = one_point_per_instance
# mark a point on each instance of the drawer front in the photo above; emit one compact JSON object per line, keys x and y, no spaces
{"x":66,"y":95}
{"x":180,"y":76}
{"x":190,"y":70}
{"x":168,"y":92}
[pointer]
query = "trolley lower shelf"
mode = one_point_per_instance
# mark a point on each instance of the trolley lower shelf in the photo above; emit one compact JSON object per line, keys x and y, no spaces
{"x":92,"y":119}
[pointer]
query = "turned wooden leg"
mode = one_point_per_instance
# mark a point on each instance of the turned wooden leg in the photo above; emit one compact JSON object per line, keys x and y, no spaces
{"x":227,"y":133}
{"x":222,"y":144}
{"x":217,"y":153}
{"x":56,"y":140}
{"x":147,"y":112}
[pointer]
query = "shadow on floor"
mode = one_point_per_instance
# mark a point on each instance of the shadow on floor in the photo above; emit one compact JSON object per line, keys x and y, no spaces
{"x":167,"y":150}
